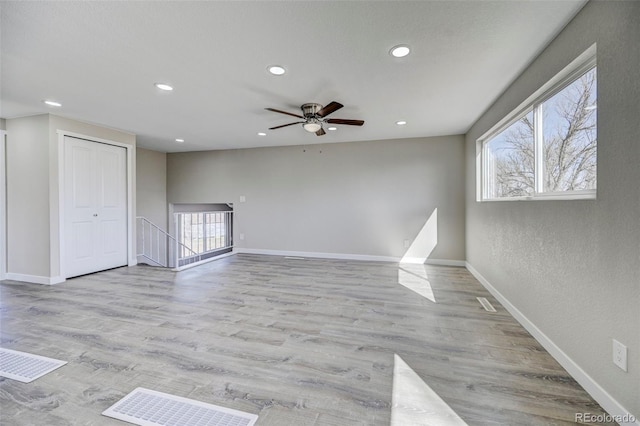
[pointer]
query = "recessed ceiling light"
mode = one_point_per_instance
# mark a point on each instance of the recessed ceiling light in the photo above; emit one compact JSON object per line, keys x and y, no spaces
{"x":276,"y":69}
{"x":400,"y":51}
{"x":180,"y":140}
{"x":332,"y":128}
{"x":164,"y":86}
{"x":52,"y":103}
{"x":262,"y":134}
{"x":401,"y":123}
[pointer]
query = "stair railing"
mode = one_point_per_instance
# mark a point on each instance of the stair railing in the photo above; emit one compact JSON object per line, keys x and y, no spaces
{"x":158,"y":247}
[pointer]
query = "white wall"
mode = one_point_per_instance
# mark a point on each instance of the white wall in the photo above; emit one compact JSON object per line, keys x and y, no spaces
{"x":3,"y":195}
{"x":572,"y":267}
{"x":151,"y":186}
{"x":28,"y":195}
{"x":3,"y":204}
{"x":359,"y":198}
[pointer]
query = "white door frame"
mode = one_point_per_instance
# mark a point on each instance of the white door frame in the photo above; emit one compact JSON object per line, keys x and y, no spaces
{"x":3,"y":206}
{"x":131,"y":152}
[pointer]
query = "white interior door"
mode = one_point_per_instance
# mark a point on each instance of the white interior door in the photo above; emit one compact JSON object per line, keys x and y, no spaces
{"x":95,"y":211}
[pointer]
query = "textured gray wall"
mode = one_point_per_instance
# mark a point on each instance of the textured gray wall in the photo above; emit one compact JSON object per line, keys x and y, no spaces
{"x":362,"y":198}
{"x":572,"y":267}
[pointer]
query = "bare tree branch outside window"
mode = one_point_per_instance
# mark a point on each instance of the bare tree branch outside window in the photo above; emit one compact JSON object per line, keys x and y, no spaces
{"x":569,"y":138}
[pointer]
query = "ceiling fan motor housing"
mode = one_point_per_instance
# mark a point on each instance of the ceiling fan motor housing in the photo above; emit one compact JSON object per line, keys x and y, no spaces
{"x":310,"y":110}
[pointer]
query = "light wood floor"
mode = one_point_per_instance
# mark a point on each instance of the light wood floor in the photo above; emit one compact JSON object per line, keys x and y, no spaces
{"x":298,"y":342}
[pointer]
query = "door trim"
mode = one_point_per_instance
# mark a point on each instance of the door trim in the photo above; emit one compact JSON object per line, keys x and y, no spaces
{"x":58,"y":229}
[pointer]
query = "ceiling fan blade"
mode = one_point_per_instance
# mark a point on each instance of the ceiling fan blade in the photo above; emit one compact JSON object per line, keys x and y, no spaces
{"x":285,"y":125}
{"x":284,"y":112}
{"x":343,"y":121}
{"x":320,"y":132}
{"x":332,"y":107}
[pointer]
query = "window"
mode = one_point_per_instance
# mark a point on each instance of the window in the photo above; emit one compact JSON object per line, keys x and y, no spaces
{"x":510,"y":161}
{"x":203,"y":233}
{"x":547,"y":149}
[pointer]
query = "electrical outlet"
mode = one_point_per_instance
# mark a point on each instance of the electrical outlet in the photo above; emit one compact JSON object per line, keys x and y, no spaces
{"x":620,"y":355}
{"x":241,"y":237}
{"x":407,"y":243}
{"x":243,"y":199}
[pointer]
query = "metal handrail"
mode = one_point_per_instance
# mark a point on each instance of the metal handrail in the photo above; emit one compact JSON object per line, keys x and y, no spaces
{"x":169,"y":242}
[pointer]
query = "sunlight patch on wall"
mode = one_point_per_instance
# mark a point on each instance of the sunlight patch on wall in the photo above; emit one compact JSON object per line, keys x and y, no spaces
{"x":415,"y":278}
{"x":424,"y":243}
{"x":413,"y":402}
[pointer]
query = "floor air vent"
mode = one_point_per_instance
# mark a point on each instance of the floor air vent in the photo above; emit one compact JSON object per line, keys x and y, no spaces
{"x":146,"y":407}
{"x":25,"y":367}
{"x":486,"y":304}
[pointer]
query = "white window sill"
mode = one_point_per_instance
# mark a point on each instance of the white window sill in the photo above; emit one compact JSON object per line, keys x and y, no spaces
{"x":582,"y":195}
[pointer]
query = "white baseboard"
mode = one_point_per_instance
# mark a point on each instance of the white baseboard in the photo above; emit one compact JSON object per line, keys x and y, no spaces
{"x":440,"y":262}
{"x":348,"y":256}
{"x":56,"y":280}
{"x":342,"y":256}
{"x":35,"y":279}
{"x":612,"y":406}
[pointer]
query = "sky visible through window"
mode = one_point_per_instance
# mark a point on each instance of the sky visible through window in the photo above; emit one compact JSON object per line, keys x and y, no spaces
{"x":569,"y":128}
{"x":567,"y":157}
{"x":511,"y":160}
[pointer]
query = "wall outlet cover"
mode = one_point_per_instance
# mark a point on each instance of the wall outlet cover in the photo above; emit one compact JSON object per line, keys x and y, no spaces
{"x":620,"y":355}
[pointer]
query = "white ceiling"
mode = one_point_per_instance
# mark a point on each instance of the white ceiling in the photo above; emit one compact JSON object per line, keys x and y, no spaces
{"x":101,"y":60}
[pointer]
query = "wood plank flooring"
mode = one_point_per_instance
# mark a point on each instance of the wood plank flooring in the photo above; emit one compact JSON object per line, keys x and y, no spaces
{"x":298,"y":342}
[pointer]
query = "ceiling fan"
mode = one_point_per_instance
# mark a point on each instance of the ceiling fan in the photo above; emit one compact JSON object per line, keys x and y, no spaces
{"x":314,"y":117}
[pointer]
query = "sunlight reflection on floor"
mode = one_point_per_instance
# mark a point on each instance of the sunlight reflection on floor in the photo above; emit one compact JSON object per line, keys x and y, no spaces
{"x":423,"y":243}
{"x":415,"y":403}
{"x":415,"y":278}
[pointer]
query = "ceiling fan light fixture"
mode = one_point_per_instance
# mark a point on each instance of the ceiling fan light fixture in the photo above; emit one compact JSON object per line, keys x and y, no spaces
{"x":276,"y":69}
{"x":312,"y":127}
{"x":400,"y":51}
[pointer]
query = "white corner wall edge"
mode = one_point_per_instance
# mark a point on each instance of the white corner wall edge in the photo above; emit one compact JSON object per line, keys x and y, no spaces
{"x":611,"y":406}
{"x":35,"y":279}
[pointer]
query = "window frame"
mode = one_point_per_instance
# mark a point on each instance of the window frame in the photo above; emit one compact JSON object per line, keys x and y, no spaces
{"x":572,"y":72}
